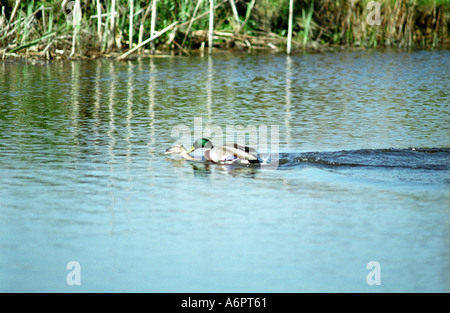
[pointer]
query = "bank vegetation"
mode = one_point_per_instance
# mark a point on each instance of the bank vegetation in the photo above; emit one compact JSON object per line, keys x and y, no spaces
{"x":96,"y":28}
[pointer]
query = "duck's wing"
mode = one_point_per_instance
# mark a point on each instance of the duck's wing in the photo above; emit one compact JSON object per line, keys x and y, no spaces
{"x":246,"y":149}
{"x":240,"y":151}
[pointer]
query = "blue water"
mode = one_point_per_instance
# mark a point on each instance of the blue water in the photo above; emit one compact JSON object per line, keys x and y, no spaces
{"x":363,"y":175}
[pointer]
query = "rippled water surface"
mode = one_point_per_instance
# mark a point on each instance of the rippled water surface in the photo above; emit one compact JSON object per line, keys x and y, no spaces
{"x":362,"y":174}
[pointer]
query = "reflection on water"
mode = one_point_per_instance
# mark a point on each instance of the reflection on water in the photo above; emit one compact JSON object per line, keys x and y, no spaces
{"x":203,"y":169}
{"x":288,"y":99}
{"x":83,"y":175}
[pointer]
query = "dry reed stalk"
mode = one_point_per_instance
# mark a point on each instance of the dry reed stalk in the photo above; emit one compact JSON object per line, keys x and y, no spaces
{"x":13,"y":14}
{"x":156,"y":35}
{"x":289,"y":37}
{"x":2,"y":18}
{"x":247,"y":15}
{"x":180,"y":47}
{"x":99,"y":22}
{"x":153,"y":26}
{"x":435,"y":33}
{"x":244,"y":40}
{"x":75,"y":24}
{"x":32,"y":43}
{"x":401,"y":24}
{"x":131,"y":24}
{"x":46,"y":50}
{"x":105,"y":39}
{"x":235,"y":13}
{"x":141,"y":26}
{"x":112,"y":28}
{"x":191,"y":21}
{"x":28,"y":21}
{"x":204,"y":14}
{"x":211,"y":26}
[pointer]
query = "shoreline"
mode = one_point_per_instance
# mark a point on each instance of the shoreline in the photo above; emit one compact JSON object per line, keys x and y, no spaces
{"x":36,"y":58}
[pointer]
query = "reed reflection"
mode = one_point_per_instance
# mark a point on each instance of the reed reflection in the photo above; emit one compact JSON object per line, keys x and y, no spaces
{"x":75,"y":103}
{"x":97,"y":103}
{"x":151,"y":107}
{"x":112,"y":139}
{"x":111,"y":111}
{"x":209,"y":86}
{"x":130,"y":92}
{"x":201,"y":169}
{"x":288,"y":98}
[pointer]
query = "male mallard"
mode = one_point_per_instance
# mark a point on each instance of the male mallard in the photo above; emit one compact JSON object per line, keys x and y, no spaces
{"x":226,"y":153}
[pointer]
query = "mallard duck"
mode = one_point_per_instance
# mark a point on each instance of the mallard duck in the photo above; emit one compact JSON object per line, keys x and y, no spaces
{"x":179,"y":149}
{"x":228,"y":153}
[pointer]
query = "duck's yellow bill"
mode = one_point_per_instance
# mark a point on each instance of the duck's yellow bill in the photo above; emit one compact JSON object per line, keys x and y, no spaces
{"x":192,"y":149}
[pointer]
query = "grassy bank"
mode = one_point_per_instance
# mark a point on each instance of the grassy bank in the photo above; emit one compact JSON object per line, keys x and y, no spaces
{"x":57,"y":29}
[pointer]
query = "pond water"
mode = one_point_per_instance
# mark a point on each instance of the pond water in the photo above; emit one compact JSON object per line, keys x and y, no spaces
{"x":362,"y":174}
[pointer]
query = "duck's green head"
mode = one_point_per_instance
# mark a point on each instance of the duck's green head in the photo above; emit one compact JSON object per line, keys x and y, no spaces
{"x":201,"y":143}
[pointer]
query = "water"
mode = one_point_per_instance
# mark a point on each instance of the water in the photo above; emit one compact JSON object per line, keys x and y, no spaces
{"x":363,"y":174}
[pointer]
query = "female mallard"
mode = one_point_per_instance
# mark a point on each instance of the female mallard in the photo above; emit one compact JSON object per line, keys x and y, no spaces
{"x":179,"y":149}
{"x":226,"y":153}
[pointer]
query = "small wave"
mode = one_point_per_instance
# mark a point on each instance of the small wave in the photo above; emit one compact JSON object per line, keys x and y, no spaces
{"x":414,"y":158}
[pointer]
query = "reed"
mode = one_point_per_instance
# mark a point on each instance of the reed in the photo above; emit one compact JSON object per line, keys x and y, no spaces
{"x":131,"y":23}
{"x":307,"y":18}
{"x":99,"y":21}
{"x":211,"y":25}
{"x":235,"y":13}
{"x":112,"y":27}
{"x":291,"y":17}
{"x":153,"y":25}
{"x":191,"y":21}
{"x":404,"y":23}
{"x":141,"y":26}
{"x":76,"y":25}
